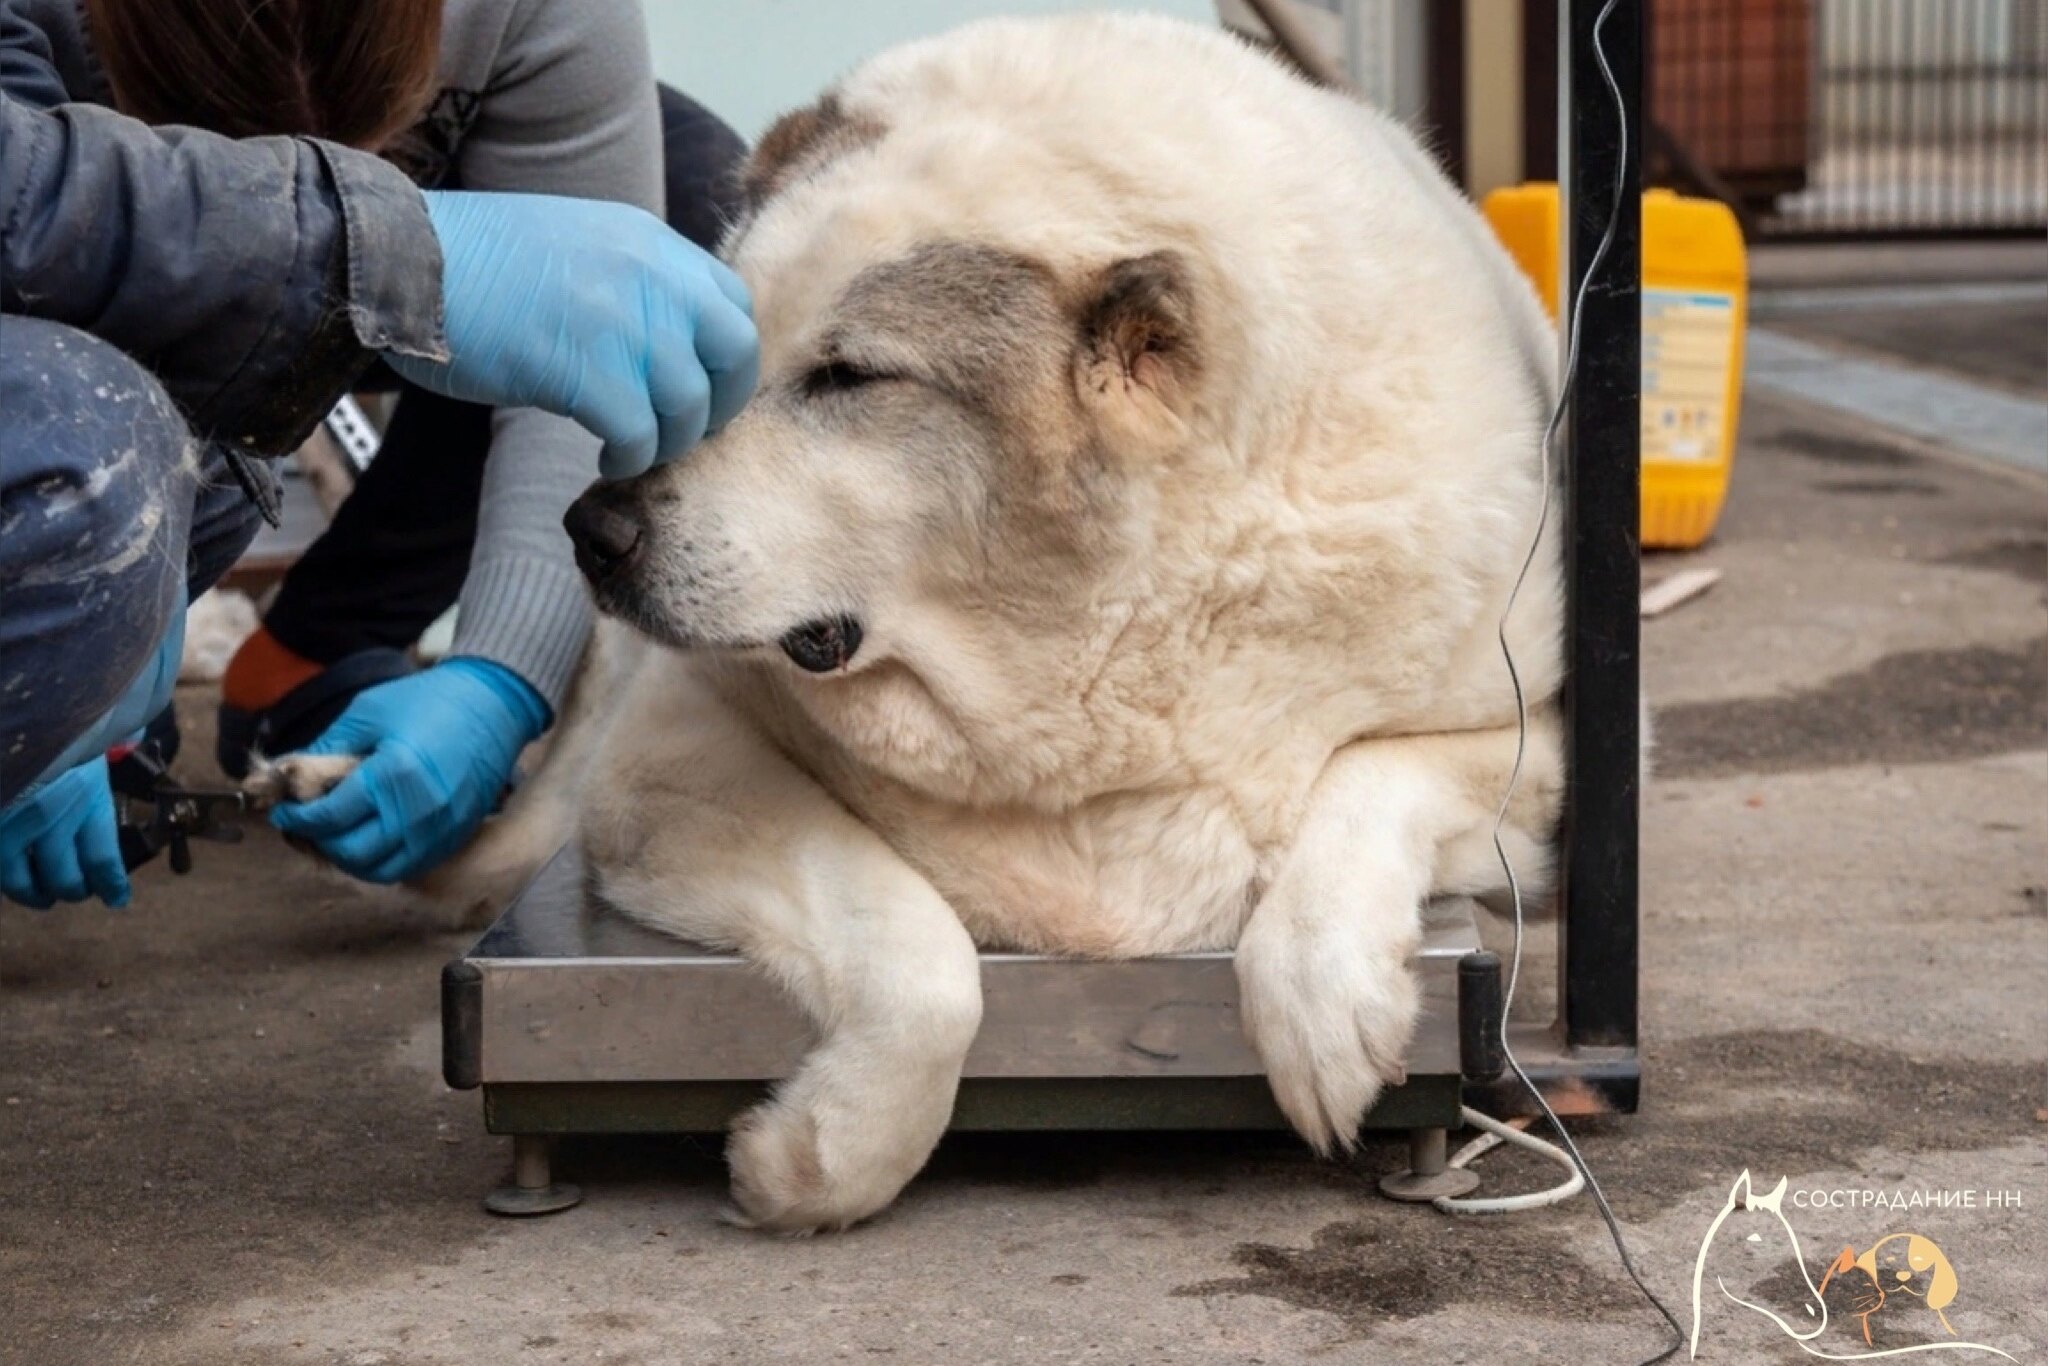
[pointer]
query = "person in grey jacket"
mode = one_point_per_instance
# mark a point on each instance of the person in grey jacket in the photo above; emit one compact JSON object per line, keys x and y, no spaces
{"x":175,"y":306}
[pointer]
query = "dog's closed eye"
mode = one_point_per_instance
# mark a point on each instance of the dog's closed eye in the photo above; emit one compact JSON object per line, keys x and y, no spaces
{"x":841,"y":376}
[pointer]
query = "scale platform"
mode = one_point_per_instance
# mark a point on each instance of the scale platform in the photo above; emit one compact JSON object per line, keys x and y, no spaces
{"x":573,"y":1020}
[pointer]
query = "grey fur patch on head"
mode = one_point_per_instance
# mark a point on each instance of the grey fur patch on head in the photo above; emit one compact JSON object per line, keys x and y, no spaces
{"x":980,"y":321}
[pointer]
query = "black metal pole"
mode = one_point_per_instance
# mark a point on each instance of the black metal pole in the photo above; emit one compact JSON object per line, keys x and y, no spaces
{"x":1601,"y":442}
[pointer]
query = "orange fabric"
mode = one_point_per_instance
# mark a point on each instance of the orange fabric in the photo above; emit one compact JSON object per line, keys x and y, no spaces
{"x":262,"y":672}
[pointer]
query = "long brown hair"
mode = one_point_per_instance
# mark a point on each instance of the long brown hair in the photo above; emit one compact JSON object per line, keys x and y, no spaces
{"x":358,"y":72}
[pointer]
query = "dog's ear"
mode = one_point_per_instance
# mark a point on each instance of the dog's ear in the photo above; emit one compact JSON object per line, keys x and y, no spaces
{"x":1138,"y":336}
{"x":801,"y":141}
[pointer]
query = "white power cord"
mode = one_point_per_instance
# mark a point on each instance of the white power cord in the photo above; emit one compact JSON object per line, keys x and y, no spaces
{"x":1497,"y":1133}
{"x":1566,"y":381}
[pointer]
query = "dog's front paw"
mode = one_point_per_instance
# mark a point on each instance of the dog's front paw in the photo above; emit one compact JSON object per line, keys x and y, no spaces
{"x":842,"y":1138}
{"x":789,"y":1176}
{"x":1330,"y":1018}
{"x":295,"y":777}
{"x":778,"y":1178}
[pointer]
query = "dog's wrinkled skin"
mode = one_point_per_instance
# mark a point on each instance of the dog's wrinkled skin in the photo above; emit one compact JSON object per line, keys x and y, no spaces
{"x":1161,"y":436}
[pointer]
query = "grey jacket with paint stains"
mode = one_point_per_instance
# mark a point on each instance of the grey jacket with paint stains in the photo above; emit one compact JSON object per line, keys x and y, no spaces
{"x":541,"y":96}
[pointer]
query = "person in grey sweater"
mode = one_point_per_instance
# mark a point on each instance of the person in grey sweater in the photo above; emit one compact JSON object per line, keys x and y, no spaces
{"x":465,"y":503}
{"x":241,"y":324}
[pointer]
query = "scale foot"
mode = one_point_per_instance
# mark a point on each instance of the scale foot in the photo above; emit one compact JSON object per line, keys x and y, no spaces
{"x":532,"y":1189}
{"x":1429,"y":1173}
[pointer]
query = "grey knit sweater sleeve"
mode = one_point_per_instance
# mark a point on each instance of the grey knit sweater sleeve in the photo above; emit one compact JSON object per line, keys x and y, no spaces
{"x":568,"y":107}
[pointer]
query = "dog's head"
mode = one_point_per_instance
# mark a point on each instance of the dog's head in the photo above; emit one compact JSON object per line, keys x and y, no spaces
{"x":1069,"y":398}
{"x":954,"y":426}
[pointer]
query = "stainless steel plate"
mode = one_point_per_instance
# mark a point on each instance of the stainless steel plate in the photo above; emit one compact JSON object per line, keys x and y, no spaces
{"x":561,"y":991}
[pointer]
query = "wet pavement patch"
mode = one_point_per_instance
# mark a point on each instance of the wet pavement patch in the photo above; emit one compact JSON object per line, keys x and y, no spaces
{"x":1368,"y":1276}
{"x":1917,"y":706}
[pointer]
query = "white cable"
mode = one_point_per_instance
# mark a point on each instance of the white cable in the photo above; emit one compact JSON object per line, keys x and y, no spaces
{"x":1497,"y":1133}
{"x":1566,"y":382}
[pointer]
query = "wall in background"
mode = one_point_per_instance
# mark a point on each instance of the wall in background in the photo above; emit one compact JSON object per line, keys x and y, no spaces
{"x":752,"y":61}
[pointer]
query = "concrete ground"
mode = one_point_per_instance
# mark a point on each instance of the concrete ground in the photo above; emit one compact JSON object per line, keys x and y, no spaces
{"x":224,"y":1139}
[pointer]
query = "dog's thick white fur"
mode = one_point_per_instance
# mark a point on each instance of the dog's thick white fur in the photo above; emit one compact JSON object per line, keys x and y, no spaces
{"x":1145,"y":446}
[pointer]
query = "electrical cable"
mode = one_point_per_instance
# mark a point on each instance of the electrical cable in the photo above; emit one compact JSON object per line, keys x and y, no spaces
{"x":1494,"y":1135}
{"x":1566,"y":382}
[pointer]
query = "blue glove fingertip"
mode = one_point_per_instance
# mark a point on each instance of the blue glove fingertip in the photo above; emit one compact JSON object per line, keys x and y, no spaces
{"x":363,"y":846}
{"x":293,"y":820}
{"x":397,"y":869}
{"x":618,"y":461}
{"x":290,"y":820}
{"x":99,"y":850}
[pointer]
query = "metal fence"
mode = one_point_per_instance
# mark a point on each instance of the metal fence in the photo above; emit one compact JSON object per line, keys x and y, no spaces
{"x":1825,"y":118}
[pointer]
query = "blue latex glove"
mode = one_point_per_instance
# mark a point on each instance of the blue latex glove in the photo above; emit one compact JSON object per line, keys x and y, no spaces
{"x":600,"y":312}
{"x":59,"y":842}
{"x":441,"y":745}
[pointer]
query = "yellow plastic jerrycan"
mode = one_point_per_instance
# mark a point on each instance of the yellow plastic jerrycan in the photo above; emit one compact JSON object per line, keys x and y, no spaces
{"x":1695,"y":303}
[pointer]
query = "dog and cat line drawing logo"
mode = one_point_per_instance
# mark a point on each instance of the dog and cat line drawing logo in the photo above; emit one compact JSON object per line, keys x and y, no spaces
{"x":1899,"y":1274}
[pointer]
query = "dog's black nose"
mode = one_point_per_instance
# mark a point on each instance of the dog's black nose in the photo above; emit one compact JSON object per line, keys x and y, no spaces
{"x":604,"y":534}
{"x":821,"y":646}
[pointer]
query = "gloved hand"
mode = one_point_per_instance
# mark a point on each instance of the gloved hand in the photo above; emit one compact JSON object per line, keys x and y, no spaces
{"x":441,"y":746}
{"x":59,"y":843}
{"x":600,"y":312}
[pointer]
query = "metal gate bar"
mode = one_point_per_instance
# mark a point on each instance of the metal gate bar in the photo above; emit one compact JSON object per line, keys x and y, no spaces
{"x":1601,"y":435}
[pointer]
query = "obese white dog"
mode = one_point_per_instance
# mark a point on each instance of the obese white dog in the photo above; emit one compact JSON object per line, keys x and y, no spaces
{"x":1109,"y":564}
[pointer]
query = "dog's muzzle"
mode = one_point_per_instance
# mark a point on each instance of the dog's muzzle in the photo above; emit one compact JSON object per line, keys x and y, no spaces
{"x":821,"y":646}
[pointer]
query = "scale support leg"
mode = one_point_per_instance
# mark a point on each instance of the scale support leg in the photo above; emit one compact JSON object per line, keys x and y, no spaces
{"x":533,"y":1189}
{"x":1429,"y":1173}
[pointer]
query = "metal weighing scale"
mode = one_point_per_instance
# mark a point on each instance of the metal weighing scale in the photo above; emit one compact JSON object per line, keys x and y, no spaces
{"x":573,"y":1021}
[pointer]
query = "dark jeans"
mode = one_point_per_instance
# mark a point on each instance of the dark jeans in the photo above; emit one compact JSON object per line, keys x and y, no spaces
{"x":398,"y":550}
{"x":107,"y":504}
